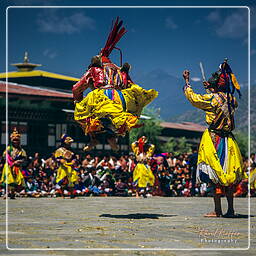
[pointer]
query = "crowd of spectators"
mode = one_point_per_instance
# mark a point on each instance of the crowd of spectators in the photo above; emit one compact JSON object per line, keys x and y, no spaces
{"x":175,"y":175}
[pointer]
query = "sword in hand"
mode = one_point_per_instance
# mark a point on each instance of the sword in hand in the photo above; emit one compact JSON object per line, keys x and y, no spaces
{"x":204,"y":78}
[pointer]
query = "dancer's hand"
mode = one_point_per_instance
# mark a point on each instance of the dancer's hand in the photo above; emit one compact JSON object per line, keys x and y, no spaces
{"x":17,"y":162}
{"x":186,"y":75}
{"x":62,"y":161}
{"x":206,"y":84}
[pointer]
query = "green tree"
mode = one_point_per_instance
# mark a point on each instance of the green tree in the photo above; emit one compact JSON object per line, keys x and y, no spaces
{"x":242,"y":141}
{"x":151,"y":128}
{"x":176,"y":146}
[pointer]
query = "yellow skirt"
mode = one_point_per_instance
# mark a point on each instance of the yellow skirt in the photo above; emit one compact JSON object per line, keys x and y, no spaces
{"x":209,"y":166}
{"x":123,"y":110}
{"x":142,"y":176}
{"x":253,"y":178}
{"x":66,"y":171}
{"x":137,"y":98}
{"x":13,"y":177}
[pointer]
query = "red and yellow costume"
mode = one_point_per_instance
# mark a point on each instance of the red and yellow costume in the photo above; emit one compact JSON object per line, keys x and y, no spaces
{"x":219,"y":158}
{"x":114,"y":96}
{"x":15,"y":158}
{"x":142,"y":174}
{"x":65,"y":159}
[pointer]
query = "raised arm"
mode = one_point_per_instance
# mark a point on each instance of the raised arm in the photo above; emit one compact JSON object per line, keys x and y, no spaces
{"x":151,"y":150}
{"x":81,"y":86}
{"x":203,"y":102}
{"x":135,"y":148}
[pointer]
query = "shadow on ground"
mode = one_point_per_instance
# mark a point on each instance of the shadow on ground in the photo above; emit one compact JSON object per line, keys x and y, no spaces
{"x":137,"y":216}
{"x":238,"y":216}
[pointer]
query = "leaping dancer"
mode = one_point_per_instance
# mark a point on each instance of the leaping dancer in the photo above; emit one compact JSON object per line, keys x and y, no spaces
{"x":219,"y":158}
{"x":115,"y":103}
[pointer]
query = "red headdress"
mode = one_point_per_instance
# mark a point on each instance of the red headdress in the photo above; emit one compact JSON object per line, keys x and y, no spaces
{"x":141,"y":142}
{"x":102,"y":71}
{"x":116,"y":33}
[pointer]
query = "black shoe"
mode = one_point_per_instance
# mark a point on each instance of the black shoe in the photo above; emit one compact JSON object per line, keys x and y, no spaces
{"x":230,"y":215}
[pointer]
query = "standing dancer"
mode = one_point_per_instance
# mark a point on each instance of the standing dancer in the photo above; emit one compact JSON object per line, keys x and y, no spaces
{"x":142,"y":174}
{"x":219,"y":158}
{"x":115,"y":103}
{"x":15,"y":157}
{"x":252,"y":179}
{"x":66,"y":159}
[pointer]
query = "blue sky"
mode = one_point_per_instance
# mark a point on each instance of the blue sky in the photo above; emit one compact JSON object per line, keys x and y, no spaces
{"x":169,"y":39}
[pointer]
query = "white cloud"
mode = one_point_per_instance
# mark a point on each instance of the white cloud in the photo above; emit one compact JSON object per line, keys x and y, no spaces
{"x":49,"y":53}
{"x":234,"y":25}
{"x":53,"y":21}
{"x":195,"y":79}
{"x":214,"y":16}
{"x":169,"y":23}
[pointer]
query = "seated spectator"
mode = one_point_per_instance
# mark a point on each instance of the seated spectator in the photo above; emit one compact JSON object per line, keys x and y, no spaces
{"x":92,"y":182}
{"x":165,"y":181}
{"x":46,"y":187}
{"x":79,"y":188}
{"x":121,"y":188}
{"x":108,"y":185}
{"x":31,"y":188}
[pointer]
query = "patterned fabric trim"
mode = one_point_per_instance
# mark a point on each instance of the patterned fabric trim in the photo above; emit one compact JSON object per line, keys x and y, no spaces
{"x":205,"y":174}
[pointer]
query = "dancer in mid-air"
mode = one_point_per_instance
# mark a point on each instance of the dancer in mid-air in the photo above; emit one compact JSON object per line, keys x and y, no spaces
{"x":16,"y":158}
{"x":219,"y":158}
{"x":115,"y":103}
{"x":142,"y":174}
{"x":66,"y":159}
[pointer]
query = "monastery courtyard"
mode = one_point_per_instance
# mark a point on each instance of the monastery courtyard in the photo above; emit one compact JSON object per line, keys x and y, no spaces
{"x":89,"y":225}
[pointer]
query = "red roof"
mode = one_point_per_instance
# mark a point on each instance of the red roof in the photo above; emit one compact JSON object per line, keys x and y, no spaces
{"x":184,"y":126}
{"x":20,"y":89}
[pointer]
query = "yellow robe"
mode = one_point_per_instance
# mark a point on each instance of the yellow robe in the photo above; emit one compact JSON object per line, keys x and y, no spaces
{"x":97,"y":105}
{"x":66,"y":170}
{"x":253,"y":178}
{"x":142,"y":174}
{"x":13,"y":175}
{"x":208,"y":160}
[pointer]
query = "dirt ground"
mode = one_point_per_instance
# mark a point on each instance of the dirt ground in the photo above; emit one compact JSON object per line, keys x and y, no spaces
{"x":124,"y":226}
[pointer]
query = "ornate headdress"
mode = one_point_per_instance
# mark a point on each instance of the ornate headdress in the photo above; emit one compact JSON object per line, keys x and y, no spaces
{"x":15,"y":135}
{"x":224,"y":79}
{"x":141,"y":142}
{"x":101,"y":70}
{"x":116,"y":33}
{"x":66,"y":139}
